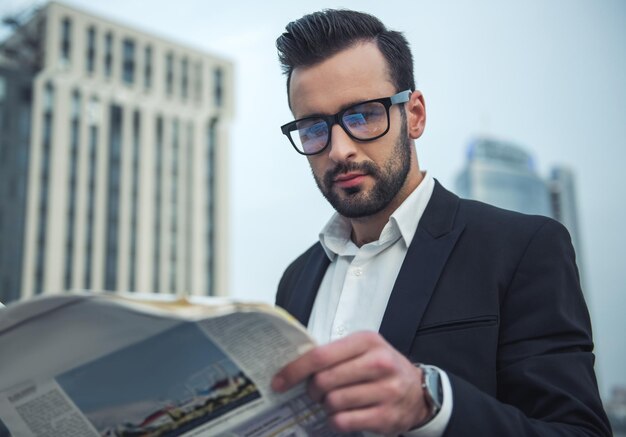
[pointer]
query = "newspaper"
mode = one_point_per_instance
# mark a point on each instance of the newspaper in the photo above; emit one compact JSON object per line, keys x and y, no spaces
{"x":105,"y":365}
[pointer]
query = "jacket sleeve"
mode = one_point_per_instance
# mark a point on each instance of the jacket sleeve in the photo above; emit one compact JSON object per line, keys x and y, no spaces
{"x":546,"y":384}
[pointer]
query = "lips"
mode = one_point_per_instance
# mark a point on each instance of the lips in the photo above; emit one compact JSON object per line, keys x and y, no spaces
{"x":347,"y":180}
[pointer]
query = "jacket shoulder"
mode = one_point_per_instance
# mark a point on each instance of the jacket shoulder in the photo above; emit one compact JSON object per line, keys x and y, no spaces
{"x":494,"y":219}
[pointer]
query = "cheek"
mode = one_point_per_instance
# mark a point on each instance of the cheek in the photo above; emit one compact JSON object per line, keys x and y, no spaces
{"x":382,"y":154}
{"x":318,"y":166}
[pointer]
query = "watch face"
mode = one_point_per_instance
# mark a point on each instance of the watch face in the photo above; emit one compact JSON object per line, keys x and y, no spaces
{"x":432,"y":380}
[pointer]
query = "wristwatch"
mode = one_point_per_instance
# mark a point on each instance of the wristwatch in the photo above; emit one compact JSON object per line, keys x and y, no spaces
{"x":433,"y":390}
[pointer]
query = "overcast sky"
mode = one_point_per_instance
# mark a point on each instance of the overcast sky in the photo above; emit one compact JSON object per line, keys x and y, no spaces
{"x":547,"y":75}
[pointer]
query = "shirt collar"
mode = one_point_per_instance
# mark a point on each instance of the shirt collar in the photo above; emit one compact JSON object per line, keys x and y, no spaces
{"x":335,"y":235}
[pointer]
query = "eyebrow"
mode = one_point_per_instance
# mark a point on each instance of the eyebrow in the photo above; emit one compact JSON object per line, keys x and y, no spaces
{"x":341,"y":108}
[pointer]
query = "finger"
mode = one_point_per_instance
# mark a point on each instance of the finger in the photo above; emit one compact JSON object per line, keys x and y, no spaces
{"x":377,"y":419}
{"x":352,"y":397}
{"x":390,"y":391}
{"x":397,"y":400}
{"x":323,"y":357}
{"x":375,"y":364}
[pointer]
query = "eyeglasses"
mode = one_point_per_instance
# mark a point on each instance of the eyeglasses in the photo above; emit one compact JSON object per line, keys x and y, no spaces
{"x":365,"y":121}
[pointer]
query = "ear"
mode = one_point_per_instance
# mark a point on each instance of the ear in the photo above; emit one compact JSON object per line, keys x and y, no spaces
{"x":416,"y":115}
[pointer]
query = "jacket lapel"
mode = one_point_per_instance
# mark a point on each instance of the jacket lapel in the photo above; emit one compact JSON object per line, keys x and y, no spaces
{"x":426,"y":257}
{"x":301,"y":300}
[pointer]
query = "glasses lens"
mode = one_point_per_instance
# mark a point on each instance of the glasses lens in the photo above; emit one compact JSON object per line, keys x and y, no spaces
{"x":311,"y":135}
{"x":367,"y":120}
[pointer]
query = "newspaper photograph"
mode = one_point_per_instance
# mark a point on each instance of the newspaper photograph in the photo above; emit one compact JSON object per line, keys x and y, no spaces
{"x":136,"y":396}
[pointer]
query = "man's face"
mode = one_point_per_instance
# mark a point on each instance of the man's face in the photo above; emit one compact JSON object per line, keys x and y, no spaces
{"x":359,"y":179}
{"x":340,"y":186}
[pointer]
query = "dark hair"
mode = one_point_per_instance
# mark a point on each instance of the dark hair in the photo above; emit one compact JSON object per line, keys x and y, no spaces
{"x":320,"y":35}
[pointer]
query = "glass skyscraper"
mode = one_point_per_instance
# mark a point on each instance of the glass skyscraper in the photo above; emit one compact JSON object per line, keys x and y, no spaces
{"x":505,"y":175}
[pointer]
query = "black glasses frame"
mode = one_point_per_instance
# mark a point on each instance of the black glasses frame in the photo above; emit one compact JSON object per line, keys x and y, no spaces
{"x":331,"y":120}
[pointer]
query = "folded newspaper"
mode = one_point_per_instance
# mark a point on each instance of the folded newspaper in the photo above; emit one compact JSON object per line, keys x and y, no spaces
{"x":110,"y":365}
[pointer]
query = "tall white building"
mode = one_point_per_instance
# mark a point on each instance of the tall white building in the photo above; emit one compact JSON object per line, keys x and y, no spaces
{"x":127,"y":185}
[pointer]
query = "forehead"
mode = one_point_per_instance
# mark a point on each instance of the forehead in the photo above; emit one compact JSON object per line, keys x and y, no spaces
{"x":355,"y":74}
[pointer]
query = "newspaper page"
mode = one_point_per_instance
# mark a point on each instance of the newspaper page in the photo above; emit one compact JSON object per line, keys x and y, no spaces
{"x":100,"y":365}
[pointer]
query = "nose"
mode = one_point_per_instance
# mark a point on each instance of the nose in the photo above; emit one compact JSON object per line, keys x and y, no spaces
{"x":342,"y":147}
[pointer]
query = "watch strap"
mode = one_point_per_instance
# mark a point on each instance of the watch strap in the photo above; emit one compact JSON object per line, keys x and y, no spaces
{"x":433,"y":391}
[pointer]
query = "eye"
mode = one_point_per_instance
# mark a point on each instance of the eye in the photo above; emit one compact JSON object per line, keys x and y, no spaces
{"x":355,"y":120}
{"x":316,"y":130}
{"x":365,"y":113}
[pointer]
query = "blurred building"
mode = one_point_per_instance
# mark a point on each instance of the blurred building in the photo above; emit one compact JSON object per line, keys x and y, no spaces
{"x":505,"y":175}
{"x":564,"y":206}
{"x":616,"y":410}
{"x":15,"y":120}
{"x":114,"y":159}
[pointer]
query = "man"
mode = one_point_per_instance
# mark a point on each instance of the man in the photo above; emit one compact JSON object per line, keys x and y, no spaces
{"x":406,"y":273}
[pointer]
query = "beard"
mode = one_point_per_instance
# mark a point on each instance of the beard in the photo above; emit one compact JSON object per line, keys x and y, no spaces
{"x":355,"y":202}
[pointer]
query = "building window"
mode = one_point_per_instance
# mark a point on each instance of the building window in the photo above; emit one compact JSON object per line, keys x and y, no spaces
{"x":147,"y":68}
{"x":48,"y":98}
{"x":136,"y":138}
{"x":90,"y":65}
{"x":198,"y":82}
{"x":158,"y":199}
{"x":128,"y":64}
{"x":113,"y":198}
{"x":66,"y":41}
{"x":24,"y":123}
{"x":71,"y":210}
{"x":3,"y":88}
{"x":184,"y":78}
{"x":189,"y":185}
{"x":108,"y":54}
{"x":91,"y":193}
{"x":210,"y":209}
{"x":218,"y":78}
{"x":75,"y":109}
{"x":44,"y":187}
{"x":174,"y":206}
{"x":169,"y":74}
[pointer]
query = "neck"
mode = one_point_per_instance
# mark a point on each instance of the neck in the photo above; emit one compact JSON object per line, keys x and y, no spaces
{"x":368,"y":229}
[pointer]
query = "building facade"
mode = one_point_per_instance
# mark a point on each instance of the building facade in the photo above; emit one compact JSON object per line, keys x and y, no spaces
{"x":562,"y":184}
{"x":505,"y":175}
{"x":616,"y":410}
{"x":15,"y":119}
{"x":127,"y":184}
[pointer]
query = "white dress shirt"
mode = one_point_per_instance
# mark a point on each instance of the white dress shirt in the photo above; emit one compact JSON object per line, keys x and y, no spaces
{"x":355,"y":290}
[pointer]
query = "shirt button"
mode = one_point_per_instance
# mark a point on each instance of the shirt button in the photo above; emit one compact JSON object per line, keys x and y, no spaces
{"x":340,"y":331}
{"x":358,"y":272}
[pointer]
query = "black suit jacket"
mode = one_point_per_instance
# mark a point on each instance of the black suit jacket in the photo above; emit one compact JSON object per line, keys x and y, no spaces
{"x":493,"y":297}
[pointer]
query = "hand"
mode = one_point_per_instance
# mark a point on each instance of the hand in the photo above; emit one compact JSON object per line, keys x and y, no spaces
{"x":362,"y":382}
